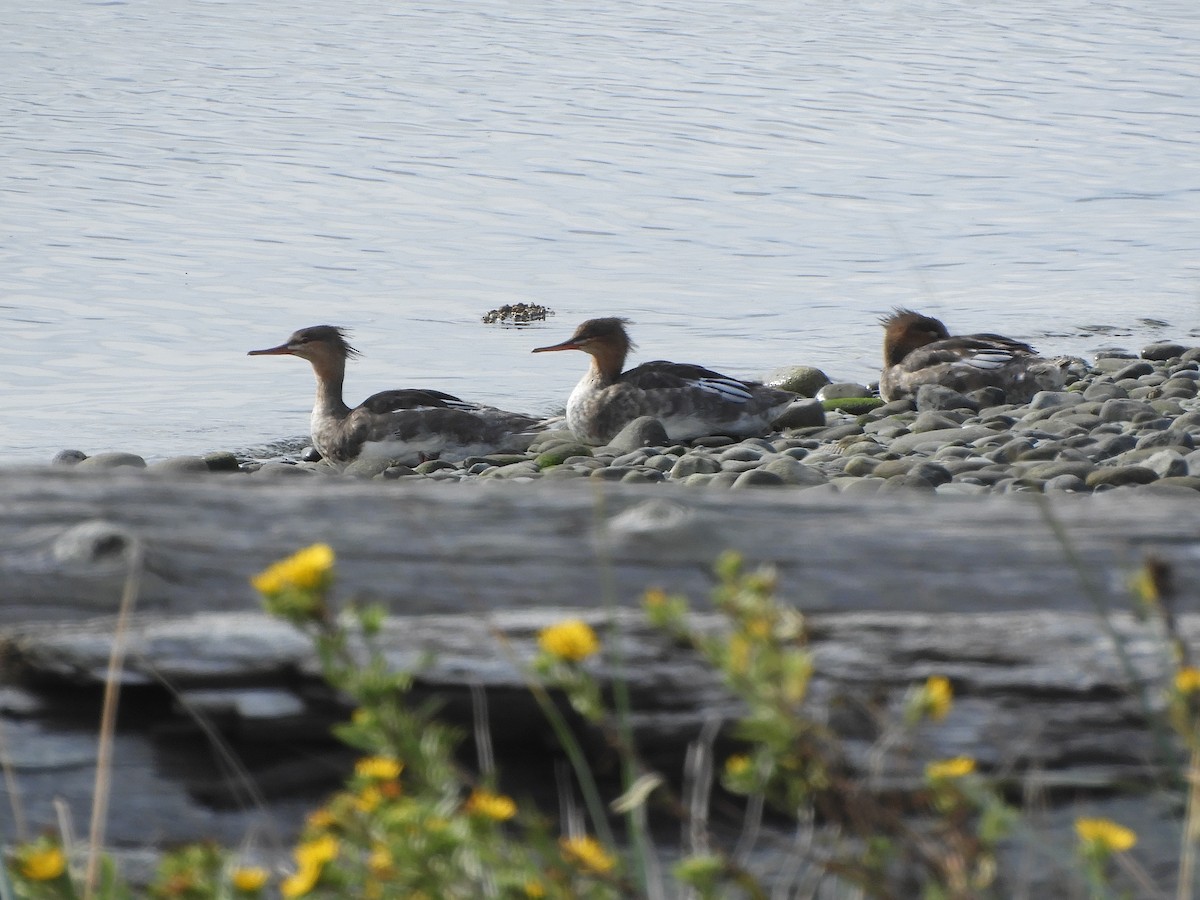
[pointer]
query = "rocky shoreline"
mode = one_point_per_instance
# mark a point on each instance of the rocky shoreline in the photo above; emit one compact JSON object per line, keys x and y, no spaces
{"x":1126,"y":420}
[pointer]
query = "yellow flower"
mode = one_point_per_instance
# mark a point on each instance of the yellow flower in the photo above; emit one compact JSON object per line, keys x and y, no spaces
{"x":1104,"y":834}
{"x":937,"y":697}
{"x":572,"y":640}
{"x":318,"y":851}
{"x":249,"y":878}
{"x":758,"y":627}
{"x":379,"y":768}
{"x":654,"y":597}
{"x":739,"y":654}
{"x":321,"y":818}
{"x":368,"y":800}
{"x":946,"y":769}
{"x":306,"y":569}
{"x":491,"y":806}
{"x":1187,"y":680}
{"x":302,"y":881}
{"x":380,"y":861}
{"x":534,"y":890}
{"x":587,"y":853}
{"x":737,"y":765}
{"x":43,"y":864}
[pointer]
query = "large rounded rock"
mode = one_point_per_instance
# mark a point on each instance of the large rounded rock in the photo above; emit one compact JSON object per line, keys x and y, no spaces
{"x":644,"y":431}
{"x":802,"y":380}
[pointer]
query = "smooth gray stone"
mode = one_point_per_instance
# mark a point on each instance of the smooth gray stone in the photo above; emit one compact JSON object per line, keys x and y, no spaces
{"x":1116,"y":476}
{"x":792,"y":471}
{"x":548,"y":439}
{"x":802,"y":380}
{"x":222,"y":461}
{"x":757,"y":478}
{"x":1116,"y":410}
{"x":1066,"y":482}
{"x":1049,"y":471}
{"x":930,"y":420}
{"x":695,"y":464}
{"x":860,"y":466}
{"x":181,"y":464}
{"x":1055,"y":399}
{"x":740,"y":465}
{"x":1104,"y":390}
{"x":113,"y":460}
{"x":644,"y":431}
{"x":1134,"y":370}
{"x":429,"y":466}
{"x":368,"y":466}
{"x":1164,"y":350}
{"x":1170,"y":438}
{"x":632,"y":458}
{"x":961,"y":488}
{"x":275,"y":469}
{"x":740,"y":453}
{"x":966,"y":434}
{"x":806,"y":413}
{"x":841,"y":390}
{"x":1166,"y":464}
{"x":714,"y":440}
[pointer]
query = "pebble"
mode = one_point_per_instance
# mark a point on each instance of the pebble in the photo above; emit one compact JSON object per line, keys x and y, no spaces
{"x":1130,"y":422}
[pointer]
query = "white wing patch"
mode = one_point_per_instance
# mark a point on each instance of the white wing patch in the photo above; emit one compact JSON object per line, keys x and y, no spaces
{"x":986,"y":359}
{"x":727,"y":388}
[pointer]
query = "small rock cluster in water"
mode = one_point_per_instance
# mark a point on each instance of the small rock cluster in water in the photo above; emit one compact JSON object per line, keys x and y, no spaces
{"x":517,"y":314}
{"x":1123,"y":422}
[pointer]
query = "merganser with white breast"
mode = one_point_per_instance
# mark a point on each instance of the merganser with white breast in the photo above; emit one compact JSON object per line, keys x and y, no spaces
{"x":918,"y":349}
{"x":690,"y":401}
{"x":407,"y":425}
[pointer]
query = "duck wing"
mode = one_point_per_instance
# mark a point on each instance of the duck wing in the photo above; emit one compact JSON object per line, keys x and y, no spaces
{"x":413,"y":398}
{"x":662,"y":375}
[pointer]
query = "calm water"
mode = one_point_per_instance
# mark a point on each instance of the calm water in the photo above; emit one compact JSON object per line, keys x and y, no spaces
{"x":753,"y":183}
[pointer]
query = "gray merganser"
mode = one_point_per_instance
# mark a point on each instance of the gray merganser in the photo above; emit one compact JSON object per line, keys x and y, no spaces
{"x":917,"y":350}
{"x":689,"y":400}
{"x":408,"y":425}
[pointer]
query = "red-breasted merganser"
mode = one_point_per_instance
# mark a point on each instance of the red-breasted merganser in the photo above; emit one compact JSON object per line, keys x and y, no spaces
{"x":690,"y":401}
{"x":919,"y":350}
{"x":407,"y":425}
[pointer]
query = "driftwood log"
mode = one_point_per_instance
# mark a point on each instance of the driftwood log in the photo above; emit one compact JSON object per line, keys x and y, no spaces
{"x":1003,"y":595}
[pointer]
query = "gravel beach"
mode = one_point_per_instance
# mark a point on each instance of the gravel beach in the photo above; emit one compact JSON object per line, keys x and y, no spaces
{"x":1124,"y":421}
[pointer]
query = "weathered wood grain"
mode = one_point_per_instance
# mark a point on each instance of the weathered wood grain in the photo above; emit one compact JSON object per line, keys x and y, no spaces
{"x":478,"y":547}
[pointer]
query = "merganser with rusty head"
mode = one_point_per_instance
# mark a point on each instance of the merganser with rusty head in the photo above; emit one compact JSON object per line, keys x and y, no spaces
{"x":690,"y":401}
{"x":408,"y":425}
{"x":918,"y":349}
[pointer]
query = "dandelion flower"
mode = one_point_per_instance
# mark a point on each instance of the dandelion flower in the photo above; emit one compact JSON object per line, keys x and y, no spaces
{"x":497,"y":807}
{"x":318,"y":851}
{"x":1187,"y":680}
{"x":572,"y":640}
{"x":301,"y":882}
{"x":43,"y":864}
{"x":321,"y":818}
{"x":948,"y":769}
{"x":737,"y":765}
{"x":938,"y":697}
{"x":379,"y":768}
{"x":380,"y":861}
{"x":249,"y":879}
{"x":1104,"y":834}
{"x":588,"y":853}
{"x":305,"y":570}
{"x":534,"y":890}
